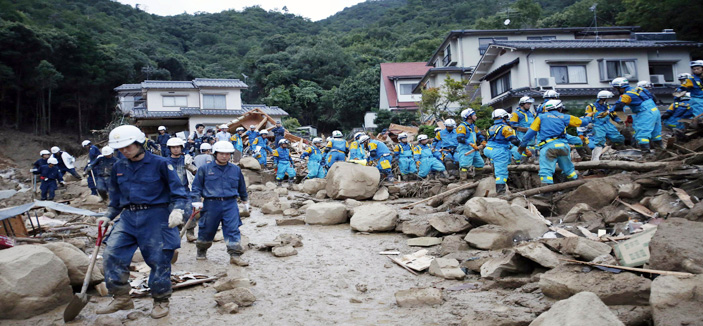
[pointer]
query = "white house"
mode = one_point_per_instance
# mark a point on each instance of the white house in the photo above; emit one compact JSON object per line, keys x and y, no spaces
{"x":578,"y":69}
{"x":398,"y":80}
{"x":180,"y":105}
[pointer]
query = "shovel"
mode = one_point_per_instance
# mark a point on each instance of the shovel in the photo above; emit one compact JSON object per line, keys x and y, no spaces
{"x":81,"y":299}
{"x":190,"y":220}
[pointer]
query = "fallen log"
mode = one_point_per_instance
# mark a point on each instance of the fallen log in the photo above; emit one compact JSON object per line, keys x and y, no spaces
{"x":549,"y":188}
{"x":631,"y":269}
{"x":605,"y":164}
{"x":443,"y":194}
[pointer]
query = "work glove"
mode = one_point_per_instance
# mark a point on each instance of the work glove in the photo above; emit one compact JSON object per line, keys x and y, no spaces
{"x":175,"y":218}
{"x":521,"y":149}
{"x":198,"y":205}
{"x":247,"y":207}
{"x":63,"y":183}
{"x":105,"y":220}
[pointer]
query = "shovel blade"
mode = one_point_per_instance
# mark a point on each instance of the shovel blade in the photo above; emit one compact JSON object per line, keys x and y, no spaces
{"x":75,"y":306}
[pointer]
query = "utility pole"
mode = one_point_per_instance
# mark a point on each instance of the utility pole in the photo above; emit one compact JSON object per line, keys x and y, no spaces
{"x":148,"y":70}
{"x":595,"y":18}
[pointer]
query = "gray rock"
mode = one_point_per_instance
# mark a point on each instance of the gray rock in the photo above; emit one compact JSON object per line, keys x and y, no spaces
{"x":417,"y":227}
{"x":593,"y":193}
{"x":284,"y":251}
{"x":617,"y":216}
{"x":677,"y":300}
{"x":373,"y":218}
{"x":381,"y":194}
{"x":76,"y":262}
{"x":630,"y":190}
{"x":675,"y":241}
{"x":613,"y":289}
{"x":509,"y":263}
{"x":285,"y":239}
{"x":417,"y":297}
{"x":539,"y":254}
{"x":633,"y":315}
{"x":578,"y":213}
{"x":498,"y":315}
{"x":489,"y":237}
{"x":511,"y":217}
{"x":583,"y":309}
{"x":281,"y":192}
{"x":486,"y":187}
{"x":271,"y":208}
{"x":666,"y":204}
{"x":290,"y":221}
{"x":313,"y":186}
{"x":326,"y":214}
{"x":453,"y":243}
{"x":243,"y":297}
{"x":322,"y":194}
{"x":250,"y":163}
{"x":579,"y":247}
{"x":446,"y":268}
{"x":448,"y":223}
{"x":349,"y":180}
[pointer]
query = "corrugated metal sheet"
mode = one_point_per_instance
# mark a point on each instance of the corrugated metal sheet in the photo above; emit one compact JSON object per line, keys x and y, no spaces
{"x":226,"y":83}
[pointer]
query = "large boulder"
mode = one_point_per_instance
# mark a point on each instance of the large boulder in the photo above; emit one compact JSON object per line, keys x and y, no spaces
{"x":539,"y":254}
{"x":490,"y":237}
{"x":76,"y":262}
{"x":508,"y":264}
{"x":613,"y":289}
{"x":579,"y":247}
{"x":349,"y":180}
{"x":449,"y":223}
{"x":313,"y":186}
{"x":593,"y":193}
{"x":486,"y":187}
{"x":666,"y":204}
{"x":250,"y":163}
{"x":583,"y":309}
{"x":33,"y":281}
{"x":677,"y":300}
{"x":374,"y":218}
{"x":675,"y":241}
{"x":513,"y":218}
{"x":381,"y":194}
{"x":326,"y":213}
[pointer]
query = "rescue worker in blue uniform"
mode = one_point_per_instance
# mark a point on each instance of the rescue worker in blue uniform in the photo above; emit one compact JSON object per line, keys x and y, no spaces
{"x":429,"y":158}
{"x":380,"y":154}
{"x":252,"y":134}
{"x":316,"y":165}
{"x":405,"y":153}
{"x":236,"y":139}
{"x":102,"y":168}
{"x":143,"y":186}
{"x":162,"y":139}
{"x":694,"y":85}
{"x":646,"y":119}
{"x":337,"y":149}
{"x":436,"y":144}
{"x":93,"y":152}
{"x":647,"y":87}
{"x":470,"y":143}
{"x":447,"y":143}
{"x":204,"y":157}
{"x":602,"y":114}
{"x":260,"y":146}
{"x":520,"y":120}
{"x":553,"y":146}
{"x":546,"y":97}
{"x":66,"y":162}
{"x":220,"y":183}
{"x":356,"y":151}
{"x":278,"y":133}
{"x":678,"y":110}
{"x":49,"y":174}
{"x":183,"y":163}
{"x":45,"y":155}
{"x":500,"y":137}
{"x":283,"y":162}
{"x":680,"y":90}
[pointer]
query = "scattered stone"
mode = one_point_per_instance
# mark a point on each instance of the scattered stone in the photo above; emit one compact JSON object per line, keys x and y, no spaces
{"x":614,"y":289}
{"x":104,"y":320}
{"x":361,"y":288}
{"x":676,"y":240}
{"x":291,"y":212}
{"x":243,"y":297}
{"x":617,"y":216}
{"x":486,"y":187}
{"x":243,"y":212}
{"x":230,"y":308}
{"x":424,"y":242}
{"x":630,"y":190}
{"x":252,"y":177}
{"x":92,"y":199}
{"x":606,"y":259}
{"x":290,"y":221}
{"x":499,"y":315}
{"x":381,"y":194}
{"x":134,"y":315}
{"x":76,"y":262}
{"x":76,"y":242}
{"x":593,"y":193}
{"x":262,"y":224}
{"x":281,"y":192}
{"x":352,"y":202}
{"x":416,"y":297}
{"x":448,"y":223}
{"x":511,"y":217}
{"x":582,"y":309}
{"x":253,"y":188}
{"x":33,"y":281}
{"x":446,"y":268}
{"x":285,"y":239}
{"x":326,"y":214}
{"x":322,"y":194}
{"x":666,"y":204}
{"x":633,"y":315}
{"x":250,"y":163}
{"x":421,"y":210}
{"x":695,"y":213}
{"x":490,"y":237}
{"x":261,"y":198}
{"x":349,"y":180}
{"x":271,"y":208}
{"x":677,"y":300}
{"x":284,"y":251}
{"x":312,"y":186}
{"x":416,"y":227}
{"x":579,"y":247}
{"x":354,"y":300}
{"x":539,"y":254}
{"x":229,"y":283}
{"x":474,"y":263}
{"x":373,"y":217}
{"x":508,"y":264}
{"x":453,"y":243}
{"x":576,"y":213}
{"x":271,"y":186}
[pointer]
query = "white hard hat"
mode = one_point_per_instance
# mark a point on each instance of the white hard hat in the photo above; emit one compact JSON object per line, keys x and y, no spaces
{"x":686,"y":96}
{"x":697,"y":63}
{"x":337,"y":134}
{"x":581,"y":129}
{"x":364,"y":138}
{"x":421,"y":137}
{"x":252,"y":126}
{"x":224,"y":126}
{"x":162,"y":128}
{"x":44,"y":152}
{"x":450,"y":123}
{"x":316,"y":140}
{"x":553,"y":105}
{"x":467,"y":113}
{"x":358,"y":134}
{"x":52,"y":160}
{"x":550,"y":94}
{"x":500,"y":113}
{"x":526,"y":99}
{"x":175,"y":141}
{"x":620,"y":82}
{"x":222,"y":147}
{"x":605,"y":94}
{"x":283,"y":141}
{"x":685,"y":75}
{"x":402,"y":135}
{"x":107,"y":150}
{"x":55,"y":150}
{"x":240,"y":129}
{"x":644,"y":83}
{"x":124,"y":136}
{"x":329,"y":138}
{"x":437,"y":129}
{"x":264,"y":132}
{"x":85,"y":143}
{"x":205,"y":147}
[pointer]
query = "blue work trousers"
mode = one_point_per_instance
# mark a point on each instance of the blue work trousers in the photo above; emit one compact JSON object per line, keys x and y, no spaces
{"x":407,"y":164}
{"x":215,"y":212}
{"x":467,"y":160}
{"x":285,"y":167}
{"x":48,"y":187}
{"x":647,"y":123}
{"x":103,"y":184}
{"x":261,"y":157}
{"x":334,"y":157}
{"x":500,"y":155}
{"x":315,"y":168}
{"x":696,"y":104}
{"x":551,"y":154}
{"x":605,"y":130}
{"x":430,"y":164}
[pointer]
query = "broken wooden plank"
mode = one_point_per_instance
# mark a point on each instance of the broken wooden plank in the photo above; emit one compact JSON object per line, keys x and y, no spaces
{"x":606,"y":164}
{"x":178,"y":286}
{"x":389,"y":253}
{"x":563,"y":232}
{"x":401,"y":264}
{"x":637,"y":208}
{"x":685,"y":198}
{"x":588,"y":234}
{"x":631,"y":269}
{"x":444,"y":194}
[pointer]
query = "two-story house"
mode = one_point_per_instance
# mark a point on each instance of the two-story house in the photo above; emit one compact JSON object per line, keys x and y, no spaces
{"x":180,"y":105}
{"x":398,"y":80}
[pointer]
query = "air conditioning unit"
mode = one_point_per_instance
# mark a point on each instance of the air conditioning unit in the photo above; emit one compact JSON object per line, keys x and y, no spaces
{"x":657,"y":79}
{"x":545,"y":83}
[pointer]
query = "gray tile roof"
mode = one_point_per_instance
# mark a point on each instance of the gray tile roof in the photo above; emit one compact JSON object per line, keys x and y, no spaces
{"x":128,"y":87}
{"x":592,"y":44}
{"x":168,"y":84}
{"x":568,"y":92}
{"x":143,"y":113}
{"x":270,"y":110}
{"x":229,"y":83}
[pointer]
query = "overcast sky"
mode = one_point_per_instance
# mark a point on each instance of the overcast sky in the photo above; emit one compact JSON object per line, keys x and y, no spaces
{"x":315,"y":10}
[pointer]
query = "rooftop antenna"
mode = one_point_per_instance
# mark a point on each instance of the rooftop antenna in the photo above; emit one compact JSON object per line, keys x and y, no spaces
{"x":148,"y":70}
{"x":595,"y":18}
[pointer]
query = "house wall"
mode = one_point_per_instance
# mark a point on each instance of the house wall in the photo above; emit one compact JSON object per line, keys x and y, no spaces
{"x":368,"y":120}
{"x":154,"y":100}
{"x":383,"y":102}
{"x":407,"y":98}
{"x":126,"y":103}
{"x":233,"y":97}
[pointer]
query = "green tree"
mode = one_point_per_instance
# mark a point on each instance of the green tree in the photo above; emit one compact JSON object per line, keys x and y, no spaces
{"x":47,"y":78}
{"x":385,"y":117}
{"x":437,"y":101}
{"x":356,"y":96}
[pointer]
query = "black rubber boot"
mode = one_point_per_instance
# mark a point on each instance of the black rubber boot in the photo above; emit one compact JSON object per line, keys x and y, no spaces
{"x":657,"y":144}
{"x":500,"y":189}
{"x":202,"y":248}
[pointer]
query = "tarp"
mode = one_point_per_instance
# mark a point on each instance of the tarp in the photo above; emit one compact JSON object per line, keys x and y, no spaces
{"x":18,"y":210}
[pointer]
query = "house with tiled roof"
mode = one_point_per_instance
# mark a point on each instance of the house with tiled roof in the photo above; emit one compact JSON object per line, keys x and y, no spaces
{"x":398,"y":79}
{"x":180,"y":105}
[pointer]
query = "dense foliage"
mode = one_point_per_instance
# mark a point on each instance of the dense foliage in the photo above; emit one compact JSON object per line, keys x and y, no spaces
{"x":60,"y":59}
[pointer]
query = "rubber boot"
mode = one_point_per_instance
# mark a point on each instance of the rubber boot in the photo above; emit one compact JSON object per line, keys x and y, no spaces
{"x":190,"y":235}
{"x":202,"y":248}
{"x":119,"y":302}
{"x":290,"y":182}
{"x":235,"y":251}
{"x":278,"y":182}
{"x":657,"y":144}
{"x":500,"y":189}
{"x":93,"y":192}
{"x":595,"y":154}
{"x":103,"y":195}
{"x":463,"y":174}
{"x":160,"y":309}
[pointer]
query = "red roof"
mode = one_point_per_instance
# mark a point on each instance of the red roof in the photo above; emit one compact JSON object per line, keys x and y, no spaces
{"x":401,"y":70}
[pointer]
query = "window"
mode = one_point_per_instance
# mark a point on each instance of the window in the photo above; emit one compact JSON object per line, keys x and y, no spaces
{"x":662,"y":69}
{"x":211,"y":101}
{"x":484,"y":43}
{"x":407,"y":89}
{"x":569,"y":74}
{"x":611,"y":69}
{"x":541,"y":38}
{"x":447,"y":56}
{"x":178,"y":101}
{"x":500,"y":85}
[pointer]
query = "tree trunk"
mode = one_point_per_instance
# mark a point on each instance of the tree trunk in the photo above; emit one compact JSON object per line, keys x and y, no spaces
{"x":48,"y":114}
{"x":80,"y":121}
{"x":610,"y":164}
{"x":17,"y":109}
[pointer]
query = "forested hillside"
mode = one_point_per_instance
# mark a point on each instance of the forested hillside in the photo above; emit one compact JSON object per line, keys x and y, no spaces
{"x":60,"y":59}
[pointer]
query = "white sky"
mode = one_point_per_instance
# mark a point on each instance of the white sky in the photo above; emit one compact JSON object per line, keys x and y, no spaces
{"x":315,"y":10}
